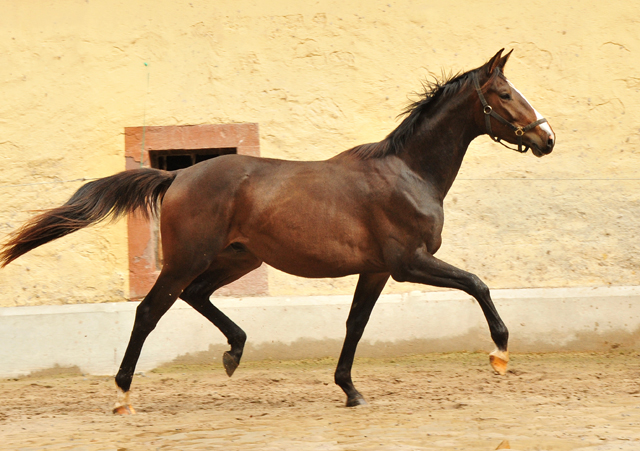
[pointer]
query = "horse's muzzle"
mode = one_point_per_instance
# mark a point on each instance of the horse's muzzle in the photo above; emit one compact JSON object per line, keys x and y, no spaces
{"x":542,"y":145}
{"x":540,"y":151}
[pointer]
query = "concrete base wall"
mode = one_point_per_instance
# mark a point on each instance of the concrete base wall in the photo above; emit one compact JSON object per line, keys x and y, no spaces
{"x":93,"y":337}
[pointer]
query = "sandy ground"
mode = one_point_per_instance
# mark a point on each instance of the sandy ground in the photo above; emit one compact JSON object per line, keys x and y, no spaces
{"x":434,"y":402}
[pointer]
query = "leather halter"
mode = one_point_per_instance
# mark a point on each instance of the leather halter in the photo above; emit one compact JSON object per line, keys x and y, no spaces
{"x":489,"y":113}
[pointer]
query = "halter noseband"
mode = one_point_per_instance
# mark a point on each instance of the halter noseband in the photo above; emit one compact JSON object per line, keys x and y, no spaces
{"x":489,"y":113}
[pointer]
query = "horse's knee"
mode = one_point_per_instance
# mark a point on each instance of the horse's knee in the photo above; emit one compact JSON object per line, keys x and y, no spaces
{"x":401,"y":271}
{"x":479,"y":289}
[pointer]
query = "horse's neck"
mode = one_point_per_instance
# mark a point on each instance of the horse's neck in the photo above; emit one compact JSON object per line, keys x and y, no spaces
{"x":437,"y":148}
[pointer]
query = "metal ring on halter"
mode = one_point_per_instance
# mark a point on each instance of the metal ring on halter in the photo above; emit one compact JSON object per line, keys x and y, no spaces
{"x":487,"y":109}
{"x":519,"y":131}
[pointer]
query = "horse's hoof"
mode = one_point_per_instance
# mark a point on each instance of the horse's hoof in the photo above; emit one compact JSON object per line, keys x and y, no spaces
{"x":230,"y":364}
{"x":499,"y":360}
{"x":124,"y":410}
{"x":357,"y":401}
{"x":123,"y":405}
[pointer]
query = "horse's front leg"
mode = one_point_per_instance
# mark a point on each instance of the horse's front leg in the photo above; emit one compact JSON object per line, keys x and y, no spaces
{"x":367,"y":292}
{"x":423,"y":267}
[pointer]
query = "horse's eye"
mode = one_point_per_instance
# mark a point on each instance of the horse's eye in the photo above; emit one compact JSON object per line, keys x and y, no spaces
{"x":505,"y":96}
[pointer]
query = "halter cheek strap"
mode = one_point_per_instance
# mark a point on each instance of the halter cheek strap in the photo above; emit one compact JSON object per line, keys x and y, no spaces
{"x":489,"y":113}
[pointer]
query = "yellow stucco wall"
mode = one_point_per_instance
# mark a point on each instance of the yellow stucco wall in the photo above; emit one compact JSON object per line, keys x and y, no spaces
{"x":320,"y":77}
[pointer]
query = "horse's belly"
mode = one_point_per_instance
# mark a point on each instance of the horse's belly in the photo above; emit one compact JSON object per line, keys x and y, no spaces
{"x":317,"y":256}
{"x":311,"y":268}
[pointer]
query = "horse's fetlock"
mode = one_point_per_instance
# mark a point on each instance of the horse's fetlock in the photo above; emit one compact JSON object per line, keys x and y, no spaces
{"x":500,"y":336}
{"x":238,"y":339}
{"x":123,"y":381}
{"x":241,"y":338}
{"x":504,"y":333}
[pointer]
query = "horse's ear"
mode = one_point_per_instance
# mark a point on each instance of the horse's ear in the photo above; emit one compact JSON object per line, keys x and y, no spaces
{"x":493,"y":63}
{"x":504,"y":60}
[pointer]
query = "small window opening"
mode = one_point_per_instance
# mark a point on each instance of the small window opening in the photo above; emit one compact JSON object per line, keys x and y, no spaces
{"x":172,"y":160}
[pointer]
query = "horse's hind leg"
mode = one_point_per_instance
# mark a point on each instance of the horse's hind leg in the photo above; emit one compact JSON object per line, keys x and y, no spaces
{"x":236,"y":337}
{"x":367,"y":292}
{"x":161,"y":297}
{"x":188,"y":253}
{"x":232,"y":264}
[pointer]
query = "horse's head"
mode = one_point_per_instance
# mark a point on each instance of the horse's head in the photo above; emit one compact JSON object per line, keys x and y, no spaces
{"x":507,"y":115}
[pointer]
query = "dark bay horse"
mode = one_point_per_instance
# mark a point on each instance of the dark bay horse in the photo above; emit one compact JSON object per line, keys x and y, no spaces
{"x":374,"y":210}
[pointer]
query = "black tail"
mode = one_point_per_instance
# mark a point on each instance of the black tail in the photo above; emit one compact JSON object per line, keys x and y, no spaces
{"x":115,"y":196}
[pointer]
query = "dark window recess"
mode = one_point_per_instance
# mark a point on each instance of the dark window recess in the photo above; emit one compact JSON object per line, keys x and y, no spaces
{"x":171,"y":160}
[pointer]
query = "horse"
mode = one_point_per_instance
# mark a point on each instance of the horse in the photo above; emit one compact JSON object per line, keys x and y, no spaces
{"x":375,"y":210}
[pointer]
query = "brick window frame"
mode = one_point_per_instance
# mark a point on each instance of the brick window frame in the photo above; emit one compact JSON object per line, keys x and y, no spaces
{"x":142,"y":234}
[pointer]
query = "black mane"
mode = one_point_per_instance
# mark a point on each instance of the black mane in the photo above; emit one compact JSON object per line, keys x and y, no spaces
{"x":432,"y":91}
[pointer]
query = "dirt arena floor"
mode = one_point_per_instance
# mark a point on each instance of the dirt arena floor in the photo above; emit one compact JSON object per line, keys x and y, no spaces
{"x":435,"y":402}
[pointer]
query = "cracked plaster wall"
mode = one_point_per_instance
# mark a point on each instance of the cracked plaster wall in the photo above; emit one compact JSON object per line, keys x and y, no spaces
{"x":320,"y":77}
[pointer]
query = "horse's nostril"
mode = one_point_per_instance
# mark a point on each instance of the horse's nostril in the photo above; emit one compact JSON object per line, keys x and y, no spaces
{"x":550,"y":141}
